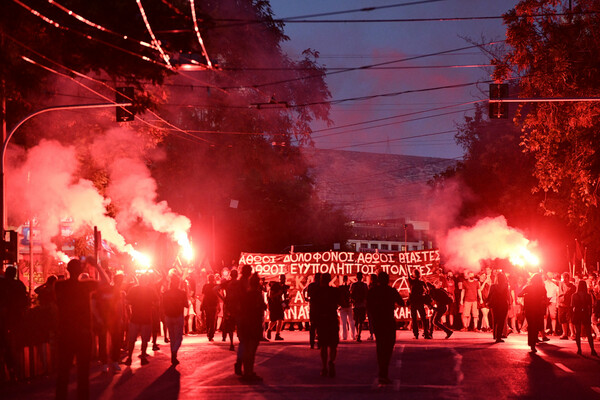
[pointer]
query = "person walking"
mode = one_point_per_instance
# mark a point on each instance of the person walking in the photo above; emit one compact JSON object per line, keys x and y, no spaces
{"x":381,"y":303}
{"x":277,"y":299}
{"x":358,"y":295}
{"x":250,"y":329}
{"x":581,"y":304}
{"x":75,"y":328}
{"x":417,"y":299}
{"x":442,"y":299}
{"x":534,"y":303}
{"x":309,"y":293}
{"x":327,"y":300}
{"x":174,"y":302}
{"x":241,"y":287}
{"x":142,"y":299}
{"x":499,"y":299}
{"x":210,"y":305}
{"x":346,"y":310}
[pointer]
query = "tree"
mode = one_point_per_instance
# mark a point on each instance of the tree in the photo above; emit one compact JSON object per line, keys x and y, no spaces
{"x":551,"y":56}
{"x":228,"y":132}
{"x":496,"y":176}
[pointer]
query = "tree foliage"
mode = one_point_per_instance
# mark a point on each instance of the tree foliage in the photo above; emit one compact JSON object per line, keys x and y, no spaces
{"x":554,"y":56}
{"x":228,"y":132}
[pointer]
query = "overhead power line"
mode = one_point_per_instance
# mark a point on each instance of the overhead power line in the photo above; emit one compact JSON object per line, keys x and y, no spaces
{"x":364,"y":67}
{"x":297,"y":20}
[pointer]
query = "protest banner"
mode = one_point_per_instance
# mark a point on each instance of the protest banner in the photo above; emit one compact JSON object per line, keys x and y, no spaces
{"x":299,"y":269}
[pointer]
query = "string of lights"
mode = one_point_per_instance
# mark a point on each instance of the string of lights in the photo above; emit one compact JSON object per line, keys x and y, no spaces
{"x":167,"y":123}
{"x":98,"y":26}
{"x":154,"y":40}
{"x":84,"y":35}
{"x":200,"y":41}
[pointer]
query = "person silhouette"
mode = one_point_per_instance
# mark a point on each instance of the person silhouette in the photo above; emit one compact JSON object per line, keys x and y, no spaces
{"x":381,"y":303}
{"x":75,"y":330}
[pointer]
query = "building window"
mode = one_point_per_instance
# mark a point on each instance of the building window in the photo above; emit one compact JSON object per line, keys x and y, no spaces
{"x":394,"y":247}
{"x":385,"y":247}
{"x":374,"y":246}
{"x":364,"y":245}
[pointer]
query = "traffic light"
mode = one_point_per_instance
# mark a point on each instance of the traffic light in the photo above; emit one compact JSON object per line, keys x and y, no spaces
{"x":10,"y":248}
{"x":498,"y":91}
{"x":125,"y":95}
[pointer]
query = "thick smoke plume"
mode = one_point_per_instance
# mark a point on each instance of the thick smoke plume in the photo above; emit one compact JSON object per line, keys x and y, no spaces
{"x":488,"y":239}
{"x":43,"y":184}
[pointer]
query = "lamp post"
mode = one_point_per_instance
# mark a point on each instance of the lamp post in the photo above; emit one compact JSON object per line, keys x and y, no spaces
{"x":17,"y":126}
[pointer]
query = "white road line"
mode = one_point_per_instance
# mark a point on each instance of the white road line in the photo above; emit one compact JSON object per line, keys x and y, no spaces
{"x":320,"y":386}
{"x":458,"y":367}
{"x":399,"y":360}
{"x":564,"y":368}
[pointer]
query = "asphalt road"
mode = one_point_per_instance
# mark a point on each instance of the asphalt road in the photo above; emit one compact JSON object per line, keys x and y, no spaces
{"x":467,"y":366}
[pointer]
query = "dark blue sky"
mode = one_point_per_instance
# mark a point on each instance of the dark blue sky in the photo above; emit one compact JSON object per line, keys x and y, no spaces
{"x":357,"y":44}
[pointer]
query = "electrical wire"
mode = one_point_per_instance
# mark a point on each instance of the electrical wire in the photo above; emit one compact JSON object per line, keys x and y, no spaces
{"x":395,"y":140}
{"x":393,"y":117}
{"x":172,"y":127}
{"x":364,"y":67}
{"x":84,"y":35}
{"x":296,"y":20}
{"x":154,"y":40}
{"x":198,"y":36}
{"x":98,"y":26}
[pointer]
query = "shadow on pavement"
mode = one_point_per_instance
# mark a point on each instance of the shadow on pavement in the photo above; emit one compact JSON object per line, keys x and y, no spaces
{"x":166,"y":386}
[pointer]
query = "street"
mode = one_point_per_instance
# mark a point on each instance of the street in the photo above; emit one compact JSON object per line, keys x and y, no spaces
{"x":467,"y":366}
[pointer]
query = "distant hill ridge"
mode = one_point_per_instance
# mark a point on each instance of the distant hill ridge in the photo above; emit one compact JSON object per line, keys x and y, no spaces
{"x":374,"y":186}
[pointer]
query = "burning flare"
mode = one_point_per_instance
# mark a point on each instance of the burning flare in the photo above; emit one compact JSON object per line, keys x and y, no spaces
{"x":488,"y":239}
{"x":186,"y":248}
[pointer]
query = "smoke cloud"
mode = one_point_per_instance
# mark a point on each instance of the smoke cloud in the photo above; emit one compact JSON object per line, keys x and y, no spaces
{"x":43,"y":184}
{"x":488,"y":239}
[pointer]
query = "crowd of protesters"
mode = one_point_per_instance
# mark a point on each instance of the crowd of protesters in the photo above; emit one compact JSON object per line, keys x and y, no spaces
{"x":86,"y":319}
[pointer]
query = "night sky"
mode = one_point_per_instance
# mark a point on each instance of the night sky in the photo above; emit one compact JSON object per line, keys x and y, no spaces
{"x":344,"y":45}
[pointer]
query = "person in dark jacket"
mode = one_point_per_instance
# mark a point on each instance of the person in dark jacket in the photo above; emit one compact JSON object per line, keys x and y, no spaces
{"x":326,"y":302}
{"x":417,"y":299}
{"x":581,"y":304}
{"x":309,"y":293}
{"x":174,"y":301}
{"x":534,"y":303}
{"x":75,"y":328}
{"x":442,"y":299}
{"x":381,"y":303}
{"x":250,"y":329}
{"x":499,"y":301}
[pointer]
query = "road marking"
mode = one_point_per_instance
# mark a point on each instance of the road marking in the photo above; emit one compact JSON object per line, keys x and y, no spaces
{"x":458,"y":367}
{"x":564,"y":368}
{"x":400,"y":351}
{"x":321,"y":386}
